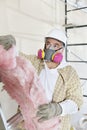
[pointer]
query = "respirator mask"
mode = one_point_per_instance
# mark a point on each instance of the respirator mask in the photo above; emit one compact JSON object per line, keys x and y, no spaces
{"x":50,"y":54}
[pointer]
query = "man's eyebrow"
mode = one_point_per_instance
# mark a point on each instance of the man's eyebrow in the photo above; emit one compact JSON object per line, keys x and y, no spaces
{"x":57,"y":43}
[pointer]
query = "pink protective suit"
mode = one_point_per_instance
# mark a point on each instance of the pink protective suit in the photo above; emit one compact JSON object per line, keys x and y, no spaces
{"x":22,"y":83}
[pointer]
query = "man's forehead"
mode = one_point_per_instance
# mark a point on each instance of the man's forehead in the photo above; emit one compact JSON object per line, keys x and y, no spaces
{"x":53,"y":40}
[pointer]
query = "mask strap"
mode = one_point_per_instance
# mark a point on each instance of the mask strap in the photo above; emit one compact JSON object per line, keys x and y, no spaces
{"x":59,"y":49}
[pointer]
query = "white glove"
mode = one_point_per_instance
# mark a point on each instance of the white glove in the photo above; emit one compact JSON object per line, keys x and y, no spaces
{"x":47,"y":111}
{"x":7,"y":41}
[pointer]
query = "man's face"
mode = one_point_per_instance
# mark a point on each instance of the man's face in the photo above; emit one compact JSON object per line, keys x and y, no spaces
{"x":52,"y":43}
{"x":57,"y":47}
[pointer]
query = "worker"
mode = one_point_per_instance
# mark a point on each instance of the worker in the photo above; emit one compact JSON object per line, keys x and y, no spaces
{"x":59,"y":80}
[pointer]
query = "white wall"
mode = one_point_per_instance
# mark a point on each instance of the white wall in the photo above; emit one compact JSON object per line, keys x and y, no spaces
{"x":29,"y":21}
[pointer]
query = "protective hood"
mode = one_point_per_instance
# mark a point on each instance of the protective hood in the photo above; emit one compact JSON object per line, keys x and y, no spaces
{"x":58,"y":35}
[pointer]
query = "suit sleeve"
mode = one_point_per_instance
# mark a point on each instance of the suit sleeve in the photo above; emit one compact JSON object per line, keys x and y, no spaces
{"x":74,"y":91}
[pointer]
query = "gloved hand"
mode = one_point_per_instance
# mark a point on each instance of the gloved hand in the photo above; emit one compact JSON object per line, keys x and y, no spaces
{"x":47,"y":111}
{"x":7,"y":41}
